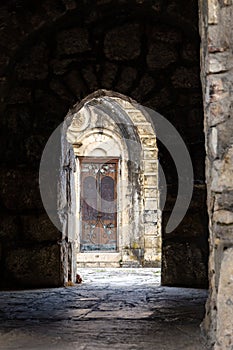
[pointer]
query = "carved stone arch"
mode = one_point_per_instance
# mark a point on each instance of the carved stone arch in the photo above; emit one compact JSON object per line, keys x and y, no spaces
{"x":108,"y":117}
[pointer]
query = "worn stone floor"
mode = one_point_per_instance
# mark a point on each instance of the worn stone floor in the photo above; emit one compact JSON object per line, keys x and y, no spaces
{"x":111,"y":309}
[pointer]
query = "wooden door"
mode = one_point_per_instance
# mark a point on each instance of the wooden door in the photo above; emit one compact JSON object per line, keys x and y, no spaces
{"x":98,"y":204}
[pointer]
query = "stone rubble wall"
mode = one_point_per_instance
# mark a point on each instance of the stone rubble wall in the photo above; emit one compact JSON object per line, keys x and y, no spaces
{"x":56,"y":52}
{"x":216,"y":30}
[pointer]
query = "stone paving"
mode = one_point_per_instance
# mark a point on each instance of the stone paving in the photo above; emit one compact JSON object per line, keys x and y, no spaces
{"x":111,"y":309}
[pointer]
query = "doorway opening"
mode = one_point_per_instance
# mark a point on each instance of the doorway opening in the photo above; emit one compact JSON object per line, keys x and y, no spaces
{"x":117,"y":214}
{"x":98,"y":195}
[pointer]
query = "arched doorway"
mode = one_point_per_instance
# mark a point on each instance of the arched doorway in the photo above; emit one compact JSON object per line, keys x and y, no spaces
{"x":118,"y":219}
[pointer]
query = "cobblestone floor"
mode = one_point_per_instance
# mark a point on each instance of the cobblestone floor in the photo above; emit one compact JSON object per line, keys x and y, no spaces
{"x":111,"y":309}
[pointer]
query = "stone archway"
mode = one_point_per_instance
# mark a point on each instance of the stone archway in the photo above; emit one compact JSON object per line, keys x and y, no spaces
{"x":64,"y":54}
{"x":112,"y":125}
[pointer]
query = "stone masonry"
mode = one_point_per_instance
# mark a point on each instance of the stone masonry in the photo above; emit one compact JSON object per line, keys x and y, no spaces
{"x":56,"y":52}
{"x":217,"y":77}
{"x":53,"y":54}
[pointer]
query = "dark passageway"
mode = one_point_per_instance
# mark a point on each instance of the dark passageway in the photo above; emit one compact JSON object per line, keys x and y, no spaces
{"x":173,"y":56}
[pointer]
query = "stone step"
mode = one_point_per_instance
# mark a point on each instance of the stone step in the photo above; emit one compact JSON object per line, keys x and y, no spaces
{"x":131,"y":264}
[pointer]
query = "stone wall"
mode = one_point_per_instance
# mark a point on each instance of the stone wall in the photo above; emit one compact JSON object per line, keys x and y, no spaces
{"x":217,"y":77}
{"x":54,"y":53}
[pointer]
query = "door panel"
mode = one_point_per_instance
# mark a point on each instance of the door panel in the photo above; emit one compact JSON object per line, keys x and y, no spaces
{"x":98,"y":205}
{"x":89,"y":198}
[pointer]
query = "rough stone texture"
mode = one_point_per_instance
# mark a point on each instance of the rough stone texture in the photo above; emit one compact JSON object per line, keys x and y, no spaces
{"x":161,"y":55}
{"x":116,"y":43}
{"x":42,"y":76}
{"x":217,"y":40}
{"x":20,"y":189}
{"x":225,"y":303}
{"x":72,"y":41}
{"x":112,"y":308}
{"x":34,"y":267}
{"x":54,"y":53}
{"x":34,"y":67}
{"x":39,"y":228}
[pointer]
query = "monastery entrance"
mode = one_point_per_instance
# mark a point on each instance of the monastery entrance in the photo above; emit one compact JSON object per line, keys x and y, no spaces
{"x":115,"y":218}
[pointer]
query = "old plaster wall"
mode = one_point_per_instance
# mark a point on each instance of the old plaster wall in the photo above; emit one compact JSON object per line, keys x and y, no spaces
{"x":54,"y":53}
{"x":217,"y":77}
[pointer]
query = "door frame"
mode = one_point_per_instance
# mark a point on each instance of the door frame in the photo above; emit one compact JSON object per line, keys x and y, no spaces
{"x":103,"y":160}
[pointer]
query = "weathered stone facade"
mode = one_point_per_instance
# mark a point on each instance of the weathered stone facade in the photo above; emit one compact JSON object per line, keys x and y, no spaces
{"x":217,"y":63}
{"x":112,"y":126}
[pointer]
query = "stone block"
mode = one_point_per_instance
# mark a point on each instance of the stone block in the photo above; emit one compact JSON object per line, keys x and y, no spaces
{"x":161,"y":55}
{"x":213,"y":11}
{"x":126,"y":79}
{"x":89,"y":258}
{"x":9,"y":228}
{"x":151,"y":192}
{"x":152,"y":258}
{"x":218,"y":111}
{"x":184,"y":264}
{"x":164,"y":34}
{"x":225,"y":303}
{"x":123,"y":43}
{"x":20,"y":189}
{"x":39,"y":228}
{"x":36,"y":266}
{"x":222,"y":173}
{"x":146,"y":84}
{"x":161,"y":99}
{"x":73,"y":41}
{"x":223,"y":217}
{"x":151,"y":167}
{"x":152,"y":242}
{"x":150,"y":180}
{"x":220,"y":62}
{"x":34,"y":65}
{"x":151,"y":204}
{"x":186,"y":78}
{"x":145,"y":130}
{"x":225,"y":135}
{"x":136,"y":116}
{"x":61,"y":66}
{"x":213,"y":141}
{"x":151,"y":229}
{"x":223,"y":232}
{"x":149,"y":142}
{"x":224,"y":201}
{"x":217,"y":89}
{"x":150,"y":154}
{"x":217,"y":40}
{"x":150,"y":216}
